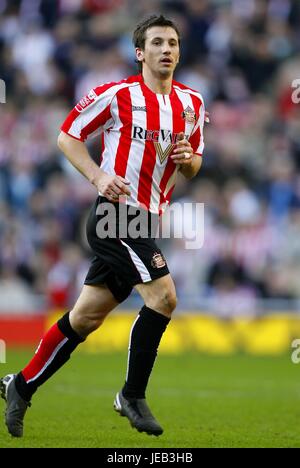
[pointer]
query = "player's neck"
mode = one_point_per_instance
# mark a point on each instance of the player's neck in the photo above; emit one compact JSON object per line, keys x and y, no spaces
{"x":157,"y":84}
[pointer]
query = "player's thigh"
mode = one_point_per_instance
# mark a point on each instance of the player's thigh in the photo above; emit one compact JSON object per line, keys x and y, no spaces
{"x":159,"y":294}
{"x":94,"y":302}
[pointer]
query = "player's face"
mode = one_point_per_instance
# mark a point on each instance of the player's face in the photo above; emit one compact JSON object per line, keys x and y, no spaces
{"x":161,"y":52}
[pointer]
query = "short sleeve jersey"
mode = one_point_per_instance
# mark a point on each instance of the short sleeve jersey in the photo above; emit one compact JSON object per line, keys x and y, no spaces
{"x":139,"y":131}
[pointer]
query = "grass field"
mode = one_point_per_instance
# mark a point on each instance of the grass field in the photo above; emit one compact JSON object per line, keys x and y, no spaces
{"x":201,"y":401}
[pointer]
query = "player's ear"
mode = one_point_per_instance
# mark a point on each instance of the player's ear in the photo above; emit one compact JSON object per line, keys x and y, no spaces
{"x":139,"y":54}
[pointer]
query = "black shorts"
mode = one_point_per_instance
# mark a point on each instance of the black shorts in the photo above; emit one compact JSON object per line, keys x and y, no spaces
{"x":121,"y":261}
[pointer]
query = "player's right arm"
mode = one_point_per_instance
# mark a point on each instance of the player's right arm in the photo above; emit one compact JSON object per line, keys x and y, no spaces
{"x":76,"y":152}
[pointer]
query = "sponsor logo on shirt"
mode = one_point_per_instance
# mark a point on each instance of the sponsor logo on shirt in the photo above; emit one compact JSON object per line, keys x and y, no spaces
{"x":159,"y":136}
{"x":86,"y":101}
{"x":163,"y":140}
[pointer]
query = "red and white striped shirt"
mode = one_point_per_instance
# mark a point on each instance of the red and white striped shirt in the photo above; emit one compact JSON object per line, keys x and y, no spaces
{"x":140,"y":129}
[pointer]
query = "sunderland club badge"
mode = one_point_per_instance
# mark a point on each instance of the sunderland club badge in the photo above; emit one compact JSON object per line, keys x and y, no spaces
{"x":189,"y":115}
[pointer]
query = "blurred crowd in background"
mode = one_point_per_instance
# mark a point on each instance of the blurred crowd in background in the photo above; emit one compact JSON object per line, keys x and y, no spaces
{"x":243,"y":56}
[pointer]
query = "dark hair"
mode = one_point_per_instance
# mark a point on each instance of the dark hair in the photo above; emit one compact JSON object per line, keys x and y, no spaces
{"x":139,"y":36}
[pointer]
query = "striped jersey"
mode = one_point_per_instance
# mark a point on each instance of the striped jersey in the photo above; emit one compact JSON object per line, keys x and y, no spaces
{"x":139,"y":131}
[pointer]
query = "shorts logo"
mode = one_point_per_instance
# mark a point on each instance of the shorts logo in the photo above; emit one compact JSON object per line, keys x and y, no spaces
{"x":158,"y":261}
{"x":189,"y":115}
{"x":86,"y":101}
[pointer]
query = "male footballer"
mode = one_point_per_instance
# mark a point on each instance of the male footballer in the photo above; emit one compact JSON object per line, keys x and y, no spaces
{"x":151,"y":128}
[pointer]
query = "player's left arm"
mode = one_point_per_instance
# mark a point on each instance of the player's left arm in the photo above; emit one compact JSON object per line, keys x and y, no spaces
{"x":184,"y":156}
{"x":188,"y":154}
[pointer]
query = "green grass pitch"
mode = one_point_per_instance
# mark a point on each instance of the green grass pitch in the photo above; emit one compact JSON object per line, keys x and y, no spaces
{"x":201,"y":401}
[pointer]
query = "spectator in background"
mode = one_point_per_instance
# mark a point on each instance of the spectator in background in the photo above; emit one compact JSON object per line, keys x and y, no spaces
{"x":231,"y":291}
{"x":245,"y":53}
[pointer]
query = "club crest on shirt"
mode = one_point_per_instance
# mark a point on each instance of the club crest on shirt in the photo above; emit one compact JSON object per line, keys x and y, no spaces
{"x":189,"y":115}
{"x":86,"y":101}
{"x":158,"y":260}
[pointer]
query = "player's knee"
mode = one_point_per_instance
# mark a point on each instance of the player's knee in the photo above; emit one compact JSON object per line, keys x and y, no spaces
{"x":171,"y":303}
{"x":91,"y":323}
{"x":85,"y":323}
{"x":165,"y":303}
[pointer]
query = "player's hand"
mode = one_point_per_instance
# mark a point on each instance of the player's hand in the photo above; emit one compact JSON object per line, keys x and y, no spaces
{"x":206,"y":117}
{"x":112,"y":187}
{"x":183,"y":153}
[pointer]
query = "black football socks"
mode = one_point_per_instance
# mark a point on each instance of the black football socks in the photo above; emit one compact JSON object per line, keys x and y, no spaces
{"x":145,"y":337}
